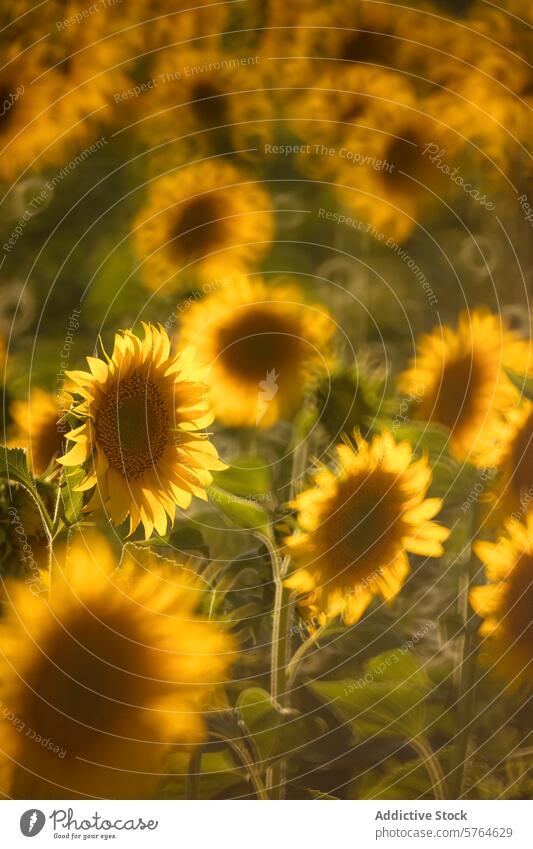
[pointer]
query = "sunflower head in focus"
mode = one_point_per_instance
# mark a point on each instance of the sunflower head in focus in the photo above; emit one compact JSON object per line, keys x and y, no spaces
{"x":261,"y":343}
{"x":357,"y":525}
{"x":458,"y":379}
{"x":38,"y":429}
{"x":205,"y":218}
{"x":113,"y":671}
{"x":505,"y":603}
{"x":140,"y":437}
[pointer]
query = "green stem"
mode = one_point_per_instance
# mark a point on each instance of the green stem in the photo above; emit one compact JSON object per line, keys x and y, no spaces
{"x":281,"y":639}
{"x":245,"y":759}
{"x":194,"y":774}
{"x":467,"y":681}
{"x":432,"y":765}
{"x":300,"y":653}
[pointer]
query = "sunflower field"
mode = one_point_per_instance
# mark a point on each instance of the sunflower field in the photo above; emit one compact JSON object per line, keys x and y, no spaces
{"x":266,"y":473}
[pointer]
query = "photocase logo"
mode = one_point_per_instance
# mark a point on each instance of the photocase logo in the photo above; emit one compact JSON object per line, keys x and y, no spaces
{"x":269,"y":388}
{"x":32,"y":822}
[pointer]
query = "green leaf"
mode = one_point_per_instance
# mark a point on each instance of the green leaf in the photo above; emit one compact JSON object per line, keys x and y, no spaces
{"x":316,"y":794}
{"x":433,"y":438}
{"x":402,"y":780}
{"x":523,"y":383}
{"x":247,"y":476}
{"x":388,"y":698}
{"x":262,"y":719}
{"x":14,"y":467}
{"x":242,"y":512}
{"x":71,"y":501}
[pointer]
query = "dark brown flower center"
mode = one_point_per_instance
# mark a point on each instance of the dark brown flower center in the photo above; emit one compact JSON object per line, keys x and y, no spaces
{"x":133,"y":426}
{"x":517,"y":604}
{"x":208,"y":104}
{"x":459,"y":391}
{"x":405,"y":153}
{"x":522,"y":460}
{"x":198,"y":229}
{"x":259,"y":341}
{"x":362,"y":529}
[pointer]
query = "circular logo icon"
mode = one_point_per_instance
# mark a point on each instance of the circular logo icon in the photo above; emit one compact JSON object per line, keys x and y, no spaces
{"x":32,"y":822}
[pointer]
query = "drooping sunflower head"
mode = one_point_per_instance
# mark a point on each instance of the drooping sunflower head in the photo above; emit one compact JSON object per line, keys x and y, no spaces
{"x":505,"y":603}
{"x":140,"y":438}
{"x":112,"y":672}
{"x":347,"y":399}
{"x":262,"y":343}
{"x":357,"y":525}
{"x":38,"y":428}
{"x":459,"y":380}
{"x":200,"y":221}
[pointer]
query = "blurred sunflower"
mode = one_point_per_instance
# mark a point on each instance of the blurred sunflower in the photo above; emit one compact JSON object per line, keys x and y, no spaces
{"x":506,"y":602}
{"x":141,"y":413}
{"x":345,"y":32}
{"x":509,"y":448}
{"x":209,"y":96}
{"x":357,"y":526}
{"x":400,"y":185}
{"x":38,"y":429}
{"x":31,"y":129}
{"x":156,"y":23}
{"x":340,"y":100}
{"x":204,"y":219}
{"x":461,"y":379}
{"x":348,"y":398}
{"x":112,"y":672}
{"x":261,"y":343}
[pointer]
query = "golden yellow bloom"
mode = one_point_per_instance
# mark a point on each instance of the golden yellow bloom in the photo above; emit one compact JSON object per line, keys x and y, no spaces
{"x":358,"y":524}
{"x":345,"y":32}
{"x":261,"y":341}
{"x":142,"y":411}
{"x":87,"y":60}
{"x":31,"y":128}
{"x":98,"y":684}
{"x":510,"y":450}
{"x":506,"y":602}
{"x":459,"y":380}
{"x":38,"y":429}
{"x":204,"y":98}
{"x":399,"y":184}
{"x":205,"y":219}
{"x":341,"y":99}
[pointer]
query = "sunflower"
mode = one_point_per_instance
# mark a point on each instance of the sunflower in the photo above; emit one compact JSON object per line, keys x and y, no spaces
{"x":31,"y":128}
{"x":204,"y":98}
{"x":339,"y":100}
{"x":141,"y":413}
{"x":105,"y":678}
{"x":205,"y":218}
{"x":505,"y":603}
{"x":357,"y":526}
{"x":261,"y":341}
{"x":400,"y":184}
{"x":510,"y":450}
{"x":38,"y":429}
{"x":461,"y":379}
{"x":345,"y":32}
{"x":87,"y":61}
